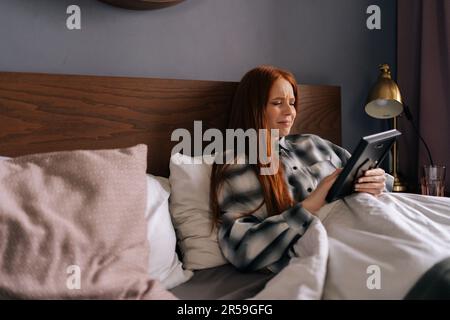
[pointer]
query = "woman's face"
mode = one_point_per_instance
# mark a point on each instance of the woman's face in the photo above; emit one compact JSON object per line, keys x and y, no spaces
{"x":280,"y":109}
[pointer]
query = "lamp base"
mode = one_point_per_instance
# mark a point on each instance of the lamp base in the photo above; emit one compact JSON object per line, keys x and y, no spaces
{"x":399,"y":186}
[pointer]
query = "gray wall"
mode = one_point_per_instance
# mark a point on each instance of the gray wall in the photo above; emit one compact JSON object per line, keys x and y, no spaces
{"x":320,"y":41}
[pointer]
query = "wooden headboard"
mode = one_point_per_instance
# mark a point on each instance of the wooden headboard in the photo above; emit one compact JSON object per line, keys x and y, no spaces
{"x":46,"y":112}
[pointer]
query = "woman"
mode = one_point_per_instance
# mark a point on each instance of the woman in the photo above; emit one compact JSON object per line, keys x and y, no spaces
{"x":260,"y":217}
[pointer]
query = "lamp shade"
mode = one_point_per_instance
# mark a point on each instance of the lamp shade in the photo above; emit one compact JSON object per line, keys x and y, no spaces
{"x":384,"y":99}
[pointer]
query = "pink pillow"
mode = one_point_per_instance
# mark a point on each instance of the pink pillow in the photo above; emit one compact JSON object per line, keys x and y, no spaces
{"x":72,"y":225}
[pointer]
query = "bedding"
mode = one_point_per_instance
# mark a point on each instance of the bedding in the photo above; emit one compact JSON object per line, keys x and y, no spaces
{"x":222,"y":283}
{"x":43,"y":231}
{"x":434,"y":284}
{"x":350,"y":240}
{"x":72,"y":225}
{"x":165,"y":267}
{"x":398,"y":234}
{"x":164,"y":264}
{"x":191,"y":215}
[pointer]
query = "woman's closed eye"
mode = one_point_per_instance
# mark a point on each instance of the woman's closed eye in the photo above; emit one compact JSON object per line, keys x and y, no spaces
{"x":277,"y":103}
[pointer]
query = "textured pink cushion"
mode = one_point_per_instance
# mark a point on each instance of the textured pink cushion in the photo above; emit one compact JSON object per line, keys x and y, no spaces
{"x":71,"y":213}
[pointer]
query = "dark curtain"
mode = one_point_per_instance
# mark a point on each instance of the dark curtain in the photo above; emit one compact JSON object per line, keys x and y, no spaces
{"x":423,"y":75}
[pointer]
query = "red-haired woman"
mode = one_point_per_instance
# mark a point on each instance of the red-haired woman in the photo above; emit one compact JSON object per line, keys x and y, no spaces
{"x":260,"y":217}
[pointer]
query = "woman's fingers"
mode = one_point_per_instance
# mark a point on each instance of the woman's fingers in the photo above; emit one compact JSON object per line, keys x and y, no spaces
{"x":369,"y":185}
{"x":374,"y":172}
{"x":372,"y":179}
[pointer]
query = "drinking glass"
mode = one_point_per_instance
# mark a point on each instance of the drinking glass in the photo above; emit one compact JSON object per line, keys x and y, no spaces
{"x":433,"y":180}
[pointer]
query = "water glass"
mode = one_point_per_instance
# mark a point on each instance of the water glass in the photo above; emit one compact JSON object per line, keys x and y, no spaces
{"x":433,"y":180}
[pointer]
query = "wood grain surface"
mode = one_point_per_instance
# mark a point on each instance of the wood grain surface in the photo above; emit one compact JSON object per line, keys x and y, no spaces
{"x":48,"y":112}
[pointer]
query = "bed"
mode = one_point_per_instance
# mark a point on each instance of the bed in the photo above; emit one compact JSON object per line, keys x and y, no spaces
{"x":41,"y":113}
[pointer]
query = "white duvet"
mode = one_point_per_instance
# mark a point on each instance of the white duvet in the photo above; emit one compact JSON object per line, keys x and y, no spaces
{"x":366,"y":247}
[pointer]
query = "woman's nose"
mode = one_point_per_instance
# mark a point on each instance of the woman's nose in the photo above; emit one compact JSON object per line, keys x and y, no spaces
{"x":287,"y":110}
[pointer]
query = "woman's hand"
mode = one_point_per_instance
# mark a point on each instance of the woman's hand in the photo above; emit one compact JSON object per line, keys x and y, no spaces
{"x":373,"y":182}
{"x":316,"y":199}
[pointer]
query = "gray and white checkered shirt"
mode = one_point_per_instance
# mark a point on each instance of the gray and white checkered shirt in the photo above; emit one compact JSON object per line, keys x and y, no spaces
{"x":259,"y":241}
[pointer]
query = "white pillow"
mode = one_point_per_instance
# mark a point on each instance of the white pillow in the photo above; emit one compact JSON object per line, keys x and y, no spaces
{"x":164,"y":264}
{"x":191,"y":215}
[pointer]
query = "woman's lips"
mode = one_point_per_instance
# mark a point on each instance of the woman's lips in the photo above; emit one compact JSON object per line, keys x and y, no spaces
{"x":285,"y":123}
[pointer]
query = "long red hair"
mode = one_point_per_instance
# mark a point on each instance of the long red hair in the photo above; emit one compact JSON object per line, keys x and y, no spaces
{"x":249,"y":111}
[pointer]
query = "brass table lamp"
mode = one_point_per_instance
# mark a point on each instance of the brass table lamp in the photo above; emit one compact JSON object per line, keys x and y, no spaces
{"x":385,"y":102}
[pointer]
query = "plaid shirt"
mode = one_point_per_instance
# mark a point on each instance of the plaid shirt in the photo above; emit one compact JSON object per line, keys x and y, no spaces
{"x":258,"y":240}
